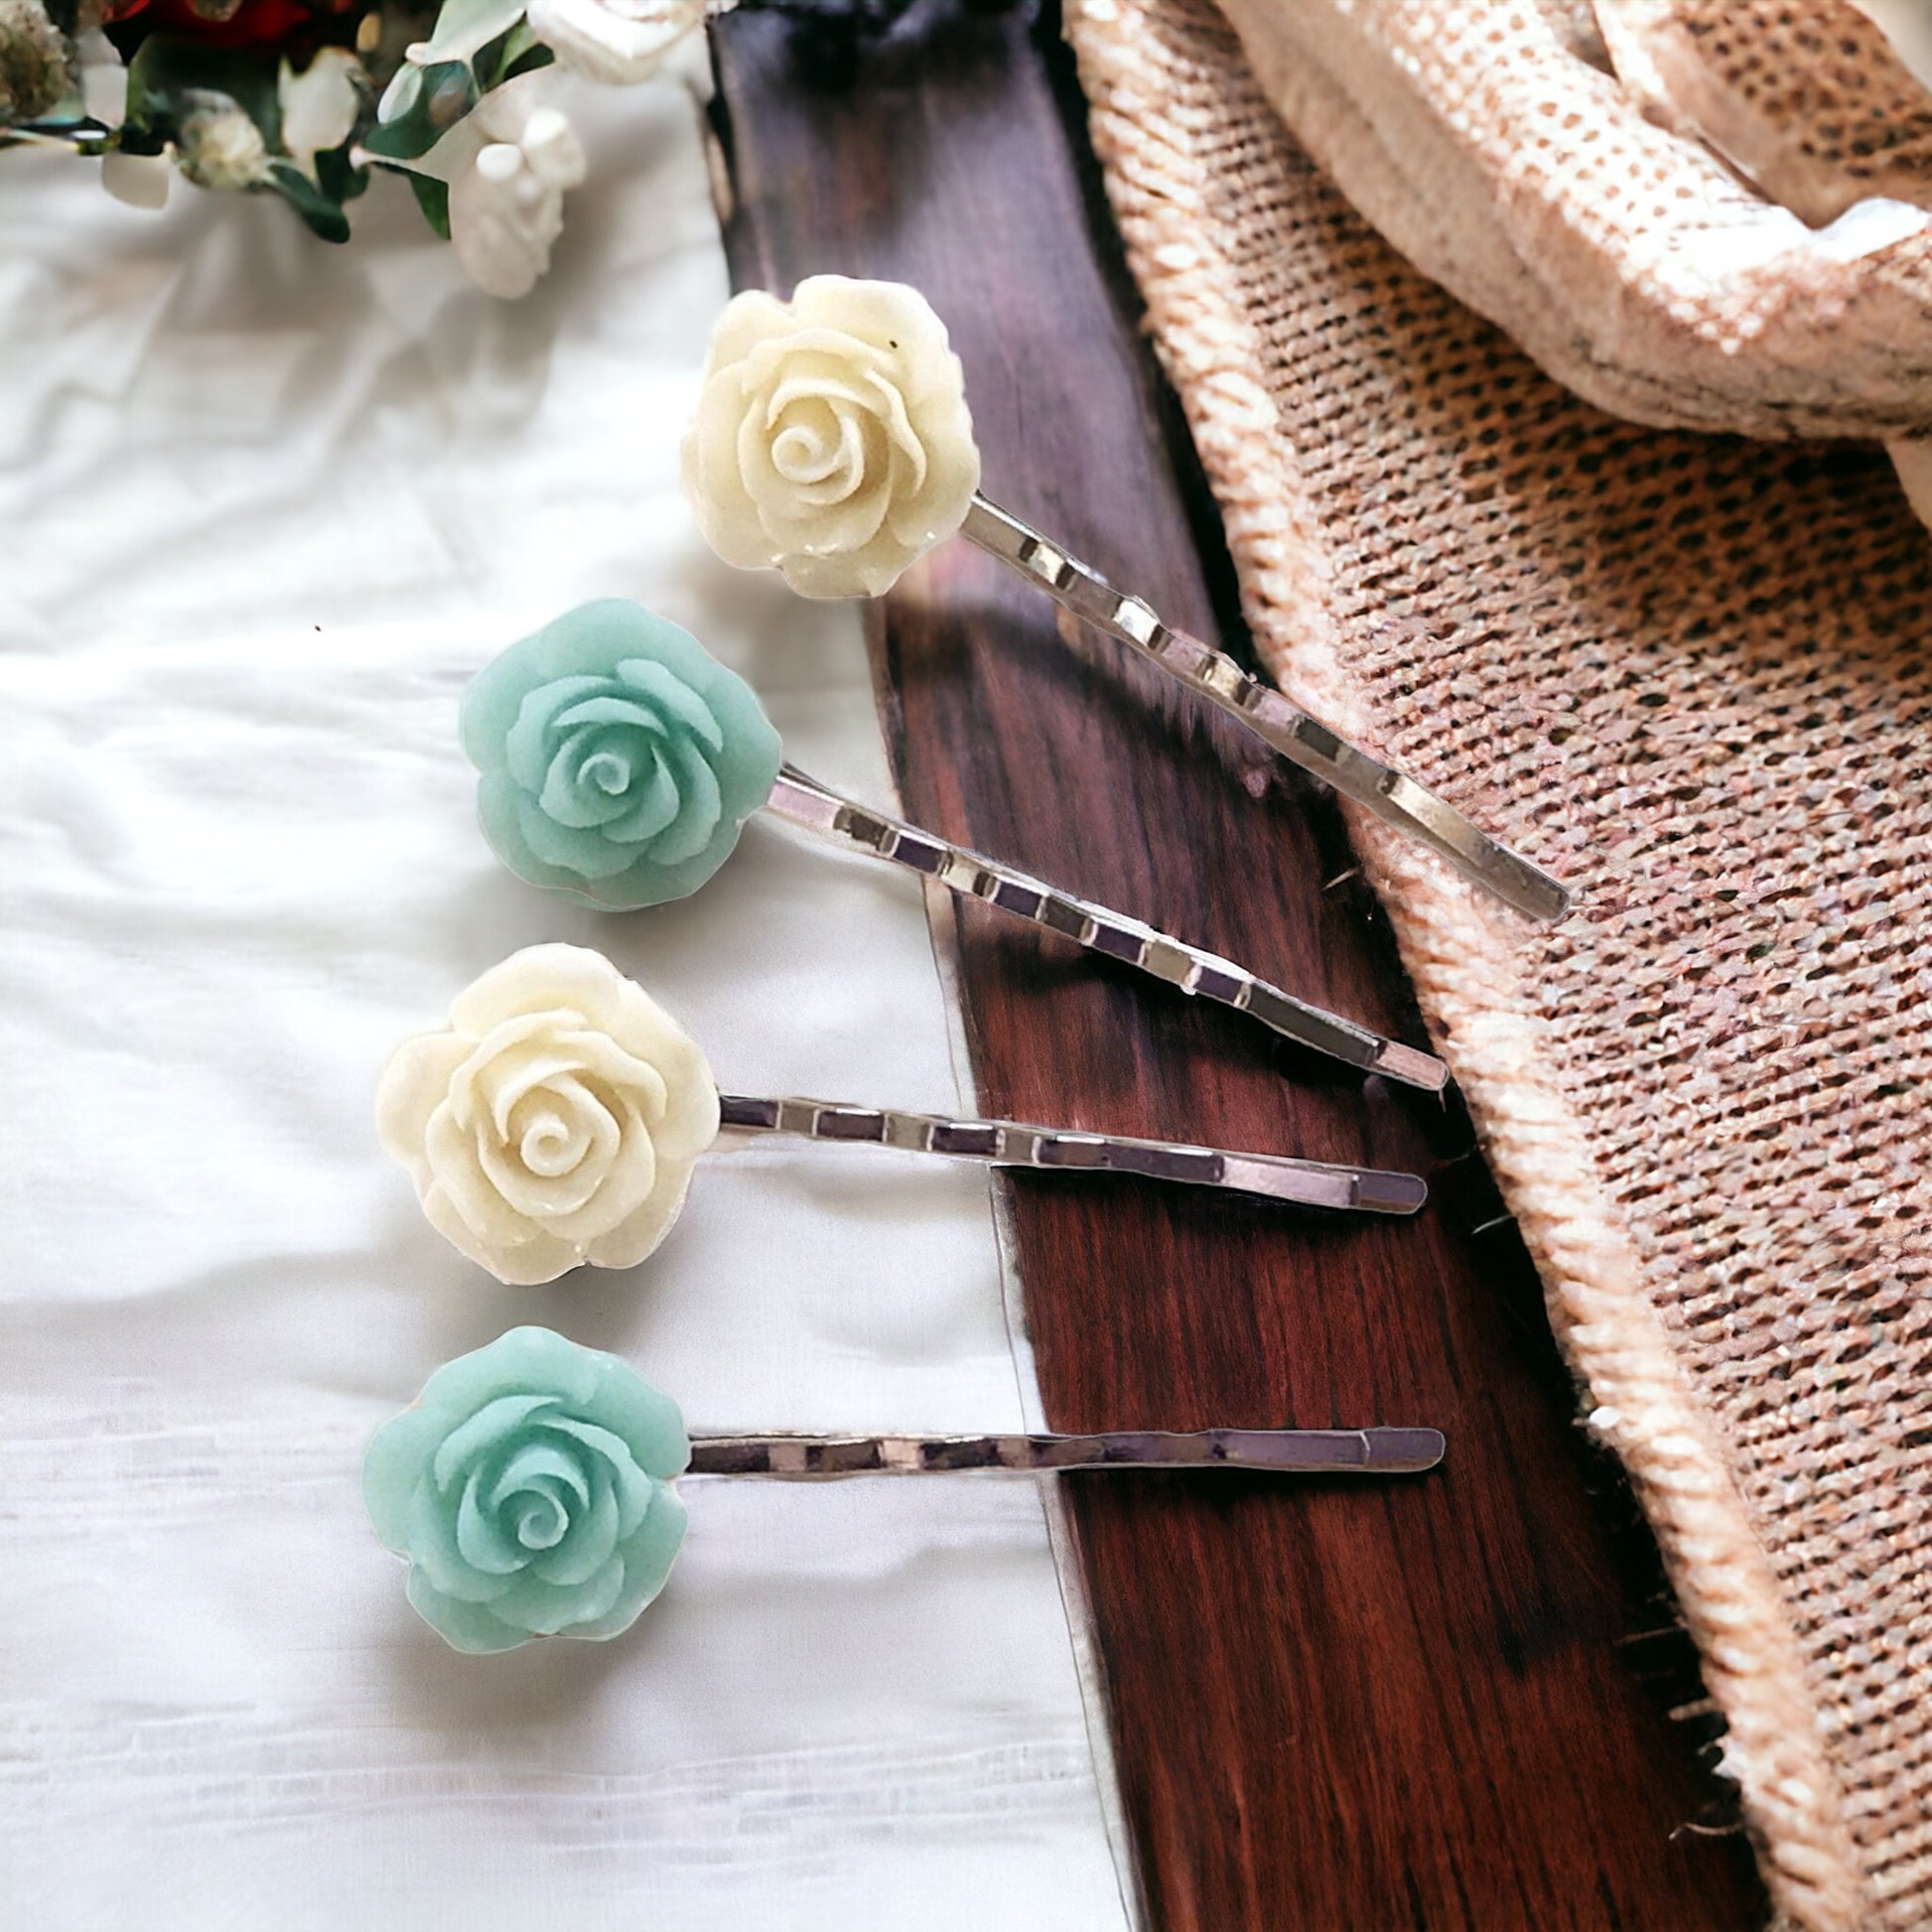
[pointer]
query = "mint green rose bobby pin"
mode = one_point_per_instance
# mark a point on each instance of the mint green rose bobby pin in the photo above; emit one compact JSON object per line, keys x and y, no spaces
{"x":530,"y":1486}
{"x":620,"y":761}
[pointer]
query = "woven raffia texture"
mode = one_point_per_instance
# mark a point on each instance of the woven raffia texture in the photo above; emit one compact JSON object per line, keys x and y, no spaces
{"x":1692,"y":675}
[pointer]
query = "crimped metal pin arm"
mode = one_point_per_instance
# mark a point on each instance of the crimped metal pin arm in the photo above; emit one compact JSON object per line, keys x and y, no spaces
{"x":1392,"y":797}
{"x":1283,"y":1451}
{"x":1007,"y":1143}
{"x":804,"y":802}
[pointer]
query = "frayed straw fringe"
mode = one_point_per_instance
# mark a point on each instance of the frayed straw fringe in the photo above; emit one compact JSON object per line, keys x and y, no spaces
{"x":1485,"y":1028}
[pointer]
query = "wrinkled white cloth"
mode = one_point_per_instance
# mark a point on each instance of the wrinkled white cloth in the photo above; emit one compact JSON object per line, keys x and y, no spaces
{"x":265,"y":507}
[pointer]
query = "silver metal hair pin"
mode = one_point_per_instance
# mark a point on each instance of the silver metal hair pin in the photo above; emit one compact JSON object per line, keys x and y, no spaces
{"x":1279,"y":1451}
{"x":1008,"y":1143}
{"x":557,"y":1118}
{"x":805,"y":802}
{"x":619,"y":759}
{"x":533,"y":1485}
{"x":1395,"y":800}
{"x":832,"y":440}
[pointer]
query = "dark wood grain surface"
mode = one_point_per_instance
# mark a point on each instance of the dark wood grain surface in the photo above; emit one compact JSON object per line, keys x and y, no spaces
{"x":1421,"y":1704}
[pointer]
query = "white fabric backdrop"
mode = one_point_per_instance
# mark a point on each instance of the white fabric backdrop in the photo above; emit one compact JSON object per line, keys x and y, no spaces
{"x":263,"y":508}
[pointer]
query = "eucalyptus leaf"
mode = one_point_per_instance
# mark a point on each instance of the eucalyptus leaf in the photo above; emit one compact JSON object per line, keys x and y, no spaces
{"x":447,"y":92}
{"x":454,"y":155}
{"x":519,"y":51}
{"x":433,"y":197}
{"x":324,"y":215}
{"x":405,"y":88}
{"x":338,"y":177}
{"x":464,"y":27}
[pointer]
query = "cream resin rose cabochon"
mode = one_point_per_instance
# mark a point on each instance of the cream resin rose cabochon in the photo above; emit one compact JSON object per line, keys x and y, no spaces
{"x":832,"y":437}
{"x":832,"y":442}
{"x":554,"y":1121}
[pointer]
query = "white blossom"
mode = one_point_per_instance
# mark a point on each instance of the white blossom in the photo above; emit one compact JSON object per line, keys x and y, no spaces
{"x":320,"y":105}
{"x":220,"y":146}
{"x":508,"y":164}
{"x":618,"y":42}
{"x":33,"y":62}
{"x":464,"y":28}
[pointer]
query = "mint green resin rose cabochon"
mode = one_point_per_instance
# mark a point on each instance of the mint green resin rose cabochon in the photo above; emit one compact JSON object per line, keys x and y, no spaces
{"x":619,"y":762}
{"x":529,"y":1487}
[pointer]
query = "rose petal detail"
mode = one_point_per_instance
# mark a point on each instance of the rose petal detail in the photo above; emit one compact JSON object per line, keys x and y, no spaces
{"x":609,"y":706}
{"x":480,"y":1431}
{"x":535,"y":1462}
{"x":567,"y":1128}
{"x":541,"y":979}
{"x":480,"y":1539}
{"x":809,"y":519}
{"x":675,"y":699}
{"x":529,"y":745}
{"x":651,"y":806}
{"x":629,"y":1483}
{"x":433,"y":1546}
{"x":528,"y":1488}
{"x":586,"y":853}
{"x":455,"y":1156}
{"x":526,"y":1261}
{"x":414,"y":1084}
{"x":469,"y":1628}
{"x":908,"y":470}
{"x":701,"y":805}
{"x":540,"y":1518}
{"x":587,"y":1546}
{"x":831,"y":437}
{"x":549,"y":1610}
{"x":590,"y":777}
{"x":579,"y":1117}
{"x":601,"y":732}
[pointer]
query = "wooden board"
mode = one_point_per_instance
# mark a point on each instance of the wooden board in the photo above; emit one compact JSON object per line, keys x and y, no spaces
{"x":1334,"y":1705}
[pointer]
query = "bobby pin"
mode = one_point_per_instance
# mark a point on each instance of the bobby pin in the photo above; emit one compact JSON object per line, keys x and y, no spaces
{"x":557,"y":1119}
{"x":804,"y":802}
{"x":1007,"y":1143}
{"x":1282,"y":1451}
{"x":1305,"y":741}
{"x":618,"y":759}
{"x":531,"y":1485}
{"x":832,"y":440}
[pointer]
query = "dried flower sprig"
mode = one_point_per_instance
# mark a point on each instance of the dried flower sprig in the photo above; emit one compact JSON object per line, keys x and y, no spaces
{"x":304,"y":98}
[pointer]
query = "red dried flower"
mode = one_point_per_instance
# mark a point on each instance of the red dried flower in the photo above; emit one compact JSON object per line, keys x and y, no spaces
{"x":220,"y":23}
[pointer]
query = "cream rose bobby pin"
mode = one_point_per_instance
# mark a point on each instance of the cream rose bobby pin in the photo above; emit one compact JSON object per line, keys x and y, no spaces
{"x":530,"y":1486}
{"x":555,"y":1121}
{"x":618,"y":761}
{"x":832,"y":440}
